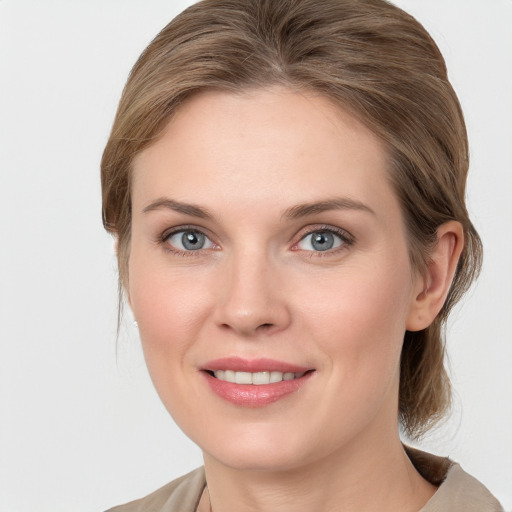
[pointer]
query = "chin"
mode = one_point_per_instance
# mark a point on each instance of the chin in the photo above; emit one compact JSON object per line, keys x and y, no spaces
{"x":264,"y":459}
{"x":261,"y":447}
{"x":241,"y":443}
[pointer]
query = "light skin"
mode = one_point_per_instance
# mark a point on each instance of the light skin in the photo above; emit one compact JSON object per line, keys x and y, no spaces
{"x":256,"y":174}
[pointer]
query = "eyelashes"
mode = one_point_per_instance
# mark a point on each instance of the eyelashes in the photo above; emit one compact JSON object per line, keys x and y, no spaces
{"x":186,"y":241}
{"x":323,"y":240}
{"x":318,"y":240}
{"x":189,"y":240}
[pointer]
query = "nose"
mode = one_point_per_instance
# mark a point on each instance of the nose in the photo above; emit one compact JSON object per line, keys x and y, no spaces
{"x":251,"y":296}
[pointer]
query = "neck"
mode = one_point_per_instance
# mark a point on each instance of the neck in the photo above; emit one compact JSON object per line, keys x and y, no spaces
{"x":370,"y":477}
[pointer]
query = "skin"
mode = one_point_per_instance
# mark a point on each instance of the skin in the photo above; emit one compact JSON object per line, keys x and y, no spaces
{"x":259,"y":289}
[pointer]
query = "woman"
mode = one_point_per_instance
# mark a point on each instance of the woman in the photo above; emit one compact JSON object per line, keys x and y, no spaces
{"x":286,"y":184}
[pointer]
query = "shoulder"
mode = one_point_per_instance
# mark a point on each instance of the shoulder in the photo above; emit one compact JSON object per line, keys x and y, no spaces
{"x":180,"y":495}
{"x":457,"y":490}
{"x":462,"y":492}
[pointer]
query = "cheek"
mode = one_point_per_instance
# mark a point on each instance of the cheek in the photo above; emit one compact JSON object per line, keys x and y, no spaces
{"x":359,"y":317}
{"x":358,"y":322}
{"x":170,"y":306}
{"x":360,"y":299}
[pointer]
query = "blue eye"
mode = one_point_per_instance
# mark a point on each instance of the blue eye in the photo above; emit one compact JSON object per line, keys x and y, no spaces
{"x":321,"y":240}
{"x":189,"y":240}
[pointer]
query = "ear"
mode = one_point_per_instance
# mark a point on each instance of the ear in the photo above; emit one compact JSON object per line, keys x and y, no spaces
{"x":430,"y":290}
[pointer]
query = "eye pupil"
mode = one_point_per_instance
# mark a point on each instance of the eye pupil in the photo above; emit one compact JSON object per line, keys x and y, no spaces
{"x":192,"y":240}
{"x":322,"y":241}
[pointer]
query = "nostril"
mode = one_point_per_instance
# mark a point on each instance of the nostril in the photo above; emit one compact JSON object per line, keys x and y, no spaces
{"x":249,"y":331}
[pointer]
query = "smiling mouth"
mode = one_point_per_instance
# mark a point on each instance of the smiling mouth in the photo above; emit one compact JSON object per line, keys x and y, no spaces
{"x":254,"y":383}
{"x":255,"y":378}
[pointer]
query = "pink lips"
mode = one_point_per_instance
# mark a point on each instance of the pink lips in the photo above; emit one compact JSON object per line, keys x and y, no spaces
{"x":249,"y":395}
{"x":255,"y":365}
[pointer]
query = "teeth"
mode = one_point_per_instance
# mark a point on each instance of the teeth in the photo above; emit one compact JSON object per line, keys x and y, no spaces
{"x":257,"y":378}
{"x":243,"y":378}
{"x":261,"y":378}
{"x":276,"y":376}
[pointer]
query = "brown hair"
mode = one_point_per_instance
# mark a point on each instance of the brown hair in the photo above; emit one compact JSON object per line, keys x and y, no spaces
{"x":367,"y":56}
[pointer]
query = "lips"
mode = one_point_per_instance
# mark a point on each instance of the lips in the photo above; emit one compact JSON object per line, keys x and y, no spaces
{"x":254,"y":383}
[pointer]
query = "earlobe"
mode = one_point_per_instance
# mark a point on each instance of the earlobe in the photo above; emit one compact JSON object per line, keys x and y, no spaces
{"x":432,"y":289}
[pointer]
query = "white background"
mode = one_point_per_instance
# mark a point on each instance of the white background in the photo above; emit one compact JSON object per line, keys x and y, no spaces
{"x":81,"y":428}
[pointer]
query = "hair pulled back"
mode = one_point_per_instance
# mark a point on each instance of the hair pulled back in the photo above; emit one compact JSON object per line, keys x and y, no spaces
{"x":367,"y":56}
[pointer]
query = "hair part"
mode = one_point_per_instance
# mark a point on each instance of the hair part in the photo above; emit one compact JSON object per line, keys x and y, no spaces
{"x":367,"y":56}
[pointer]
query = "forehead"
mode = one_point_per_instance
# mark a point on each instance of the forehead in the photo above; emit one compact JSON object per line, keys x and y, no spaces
{"x":268,"y":145}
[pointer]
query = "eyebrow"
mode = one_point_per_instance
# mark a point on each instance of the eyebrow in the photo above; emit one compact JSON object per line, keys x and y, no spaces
{"x":177,"y":206}
{"x":337,"y":203}
{"x":294,"y":212}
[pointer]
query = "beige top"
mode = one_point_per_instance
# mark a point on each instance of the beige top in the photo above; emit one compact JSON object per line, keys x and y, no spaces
{"x":457,"y":492}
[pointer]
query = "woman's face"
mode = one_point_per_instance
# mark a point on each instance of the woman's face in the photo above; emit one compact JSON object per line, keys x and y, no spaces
{"x":268,"y":247}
